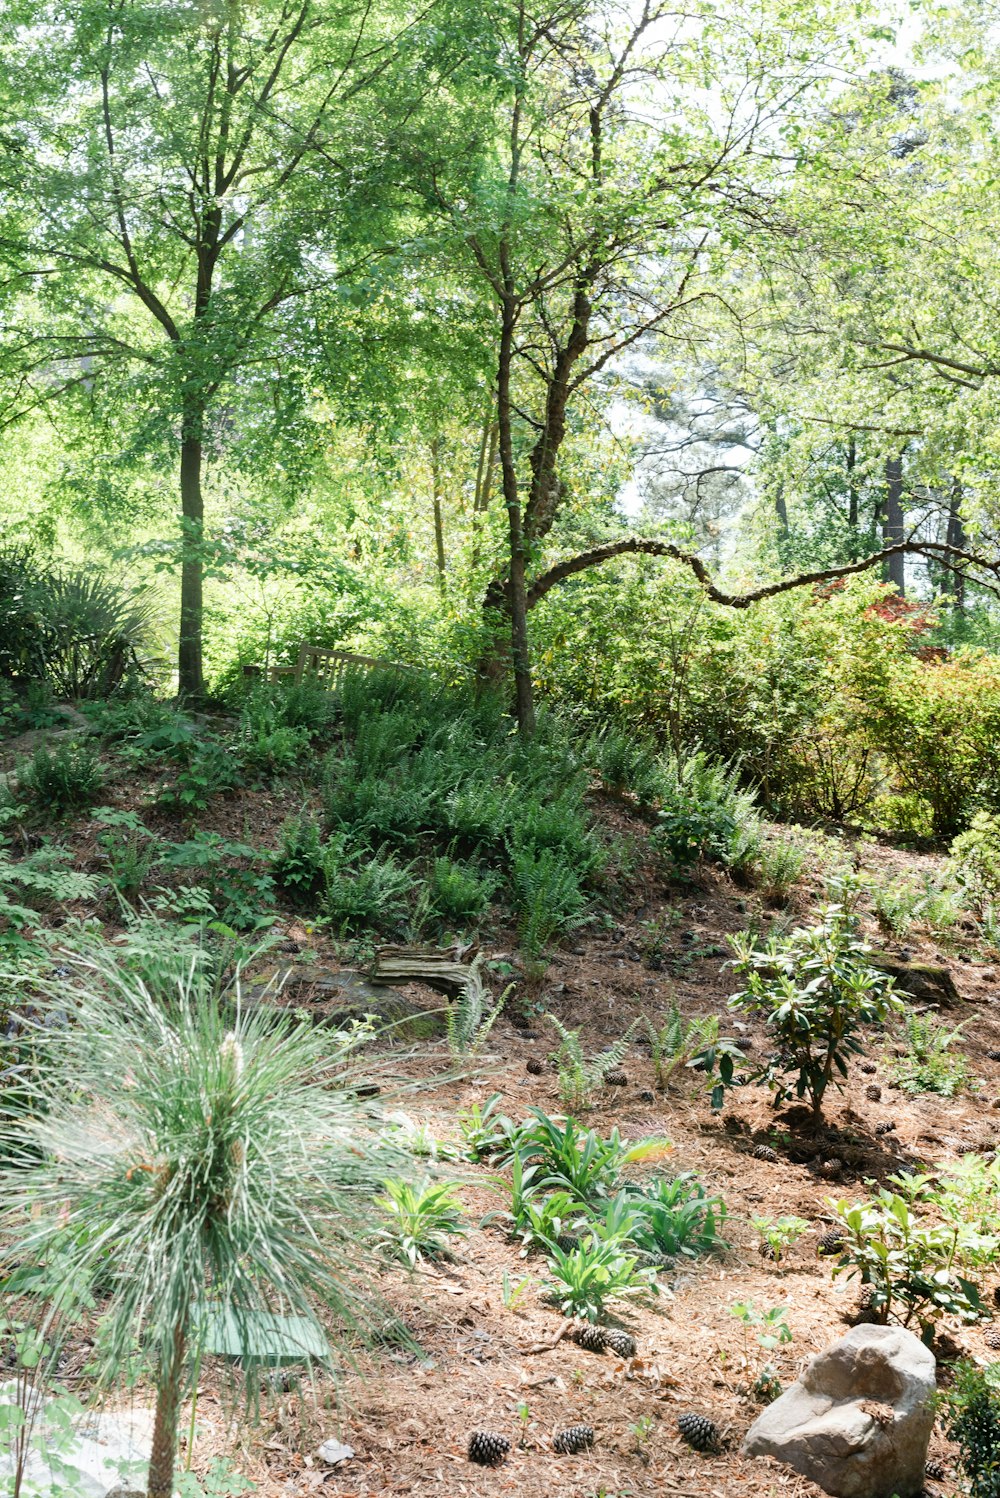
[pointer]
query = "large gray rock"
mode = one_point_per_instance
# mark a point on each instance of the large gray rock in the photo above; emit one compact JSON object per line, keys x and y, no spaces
{"x":859,"y":1419}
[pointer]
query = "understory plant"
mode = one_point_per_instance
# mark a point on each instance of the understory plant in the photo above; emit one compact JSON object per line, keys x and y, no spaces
{"x":210,"y":1158}
{"x":778,"y":1234}
{"x":419,"y":1219}
{"x":972,"y":1407}
{"x":675,"y":1042}
{"x":580,"y":1075}
{"x":769,"y":1331}
{"x":815,"y":989}
{"x":583,"y":1278}
{"x":929,"y":1064}
{"x":916,"y":1266}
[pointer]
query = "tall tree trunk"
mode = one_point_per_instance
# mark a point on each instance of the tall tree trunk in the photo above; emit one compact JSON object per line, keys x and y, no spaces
{"x":517,"y":589}
{"x":438,"y":515}
{"x":781,"y":509}
{"x":954,"y":582}
{"x":892,"y":523}
{"x":190,"y":678}
{"x":168,"y":1405}
{"x":852,"y":488}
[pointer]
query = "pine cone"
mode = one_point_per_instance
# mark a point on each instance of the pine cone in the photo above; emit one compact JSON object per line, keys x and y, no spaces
{"x":573,"y":1439}
{"x":535,"y":1068}
{"x":699,"y":1432}
{"x":936,"y":1471}
{"x":765,"y":1152}
{"x":888,"y":1127}
{"x":591,"y":1338}
{"x":873,"y":1092}
{"x":993,"y":1055}
{"x":615,"y":1079}
{"x":832,"y":1242}
{"x":992,"y":1337}
{"x":621,"y":1343}
{"x":568,"y":1242}
{"x":487,"y":1449}
{"x":831,"y":1168}
{"x":868,"y":1067}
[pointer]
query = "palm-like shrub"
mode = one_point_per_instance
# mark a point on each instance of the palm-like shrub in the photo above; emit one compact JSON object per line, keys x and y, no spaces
{"x":192,"y":1169}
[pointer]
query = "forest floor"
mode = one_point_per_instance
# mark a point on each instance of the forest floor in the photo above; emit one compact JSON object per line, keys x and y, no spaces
{"x":408,"y":1415}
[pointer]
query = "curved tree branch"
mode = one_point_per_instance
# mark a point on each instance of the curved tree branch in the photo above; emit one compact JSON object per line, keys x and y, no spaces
{"x":937,"y":551}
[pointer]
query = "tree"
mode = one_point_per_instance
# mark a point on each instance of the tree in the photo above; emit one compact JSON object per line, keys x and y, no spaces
{"x":634,"y":149}
{"x":185,"y":215}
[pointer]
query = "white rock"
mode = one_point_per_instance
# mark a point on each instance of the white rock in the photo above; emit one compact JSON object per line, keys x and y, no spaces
{"x":859,"y":1419}
{"x":334,"y":1452}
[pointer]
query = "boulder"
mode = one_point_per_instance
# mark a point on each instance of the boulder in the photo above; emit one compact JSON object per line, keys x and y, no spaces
{"x":858,"y":1420}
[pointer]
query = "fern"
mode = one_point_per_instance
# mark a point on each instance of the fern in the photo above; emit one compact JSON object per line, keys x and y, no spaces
{"x":678,"y":1041}
{"x":580,"y":1076}
{"x":468,"y":1022}
{"x":547,"y":896}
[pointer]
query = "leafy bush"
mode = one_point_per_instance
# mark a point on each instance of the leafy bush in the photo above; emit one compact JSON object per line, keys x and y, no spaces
{"x":675,"y":1042}
{"x":469,"y":1022}
{"x":361,"y":892}
{"x":975,"y":858}
{"x":211,"y":769}
{"x":299,"y":866}
{"x":917,"y":1268}
{"x":778,"y":1234}
{"x":577,"y":1160}
{"x":815,"y":989}
{"x":240,"y":892}
{"x":928,"y":1064}
{"x":62,"y":780}
{"x":458,"y":893}
{"x":81,"y":633}
{"x":547,"y":897}
{"x":938,"y":725}
{"x":973,"y":1408}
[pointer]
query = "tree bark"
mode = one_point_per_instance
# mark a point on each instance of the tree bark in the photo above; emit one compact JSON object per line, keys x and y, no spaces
{"x":892,"y":524}
{"x":190,"y":677}
{"x":439,"y":552}
{"x":852,"y":488}
{"x":954,"y":581}
{"x":168,"y":1405}
{"x":517,"y":590}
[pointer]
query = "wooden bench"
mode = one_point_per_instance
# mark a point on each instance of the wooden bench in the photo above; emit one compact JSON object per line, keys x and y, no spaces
{"x":326,"y":666}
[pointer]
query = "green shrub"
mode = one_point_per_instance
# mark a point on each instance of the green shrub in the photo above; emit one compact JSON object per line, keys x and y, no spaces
{"x":81,"y":633}
{"x":973,"y":1412}
{"x":675,"y":1042}
{"x":209,"y":769}
{"x":548,"y":899}
{"x":420,"y":1219}
{"x":815,"y":990}
{"x":233,"y":1177}
{"x":938,"y":725}
{"x":583,"y":1279}
{"x":917,"y":1267}
{"x":676,"y":1218}
{"x":578,"y":1160}
{"x":54,"y":782}
{"x":975,"y":859}
{"x":580,"y":1075}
